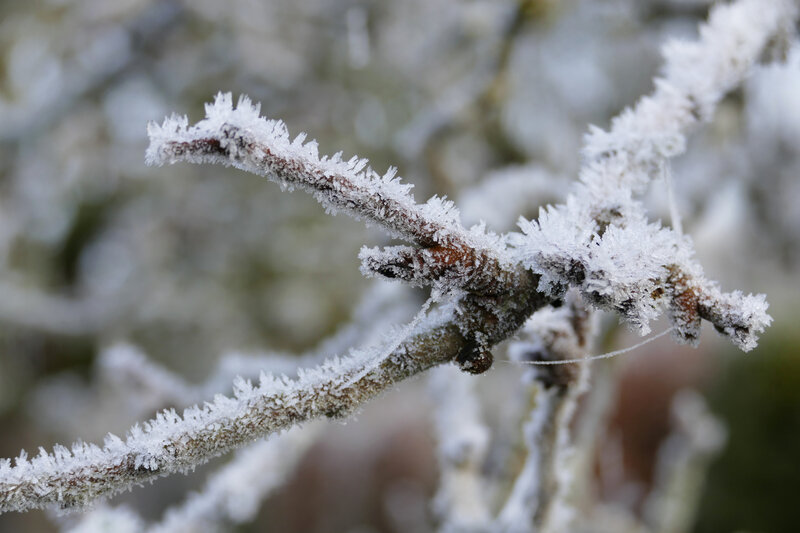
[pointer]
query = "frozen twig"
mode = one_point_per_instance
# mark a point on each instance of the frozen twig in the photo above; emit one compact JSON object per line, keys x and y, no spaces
{"x":240,"y":137}
{"x":538,"y":498}
{"x":601,"y":241}
{"x":231,"y":495}
{"x":461,"y":503}
{"x":172,"y":443}
{"x":129,"y":370}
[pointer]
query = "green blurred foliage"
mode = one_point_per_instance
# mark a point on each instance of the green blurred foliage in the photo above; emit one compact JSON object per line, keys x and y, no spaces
{"x":755,"y":485}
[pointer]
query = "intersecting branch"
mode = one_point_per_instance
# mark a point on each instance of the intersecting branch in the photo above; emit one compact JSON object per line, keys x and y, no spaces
{"x":599,"y":242}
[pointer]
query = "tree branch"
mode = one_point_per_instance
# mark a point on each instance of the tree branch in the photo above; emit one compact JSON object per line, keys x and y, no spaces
{"x":601,"y":241}
{"x":543,"y":483}
{"x":241,"y":138}
{"x":171,"y":443}
{"x":461,"y":503}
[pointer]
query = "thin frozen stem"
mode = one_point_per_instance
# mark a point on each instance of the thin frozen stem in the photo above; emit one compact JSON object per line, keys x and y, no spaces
{"x":242,"y":138}
{"x":538,"y":499}
{"x":601,"y":241}
{"x":392,"y":342}
{"x":534,"y":484}
{"x":172,"y":443}
{"x":596,"y":357}
{"x":461,"y":502}
{"x":230,"y":496}
{"x":233,"y":494}
{"x":128,"y":369}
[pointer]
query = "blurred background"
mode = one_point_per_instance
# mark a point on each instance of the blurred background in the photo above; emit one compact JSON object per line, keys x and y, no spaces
{"x":191,"y":264}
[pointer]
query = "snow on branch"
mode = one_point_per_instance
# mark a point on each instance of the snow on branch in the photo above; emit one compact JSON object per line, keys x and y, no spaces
{"x":240,"y":137}
{"x":151,"y":386}
{"x":601,"y":241}
{"x":695,"y":77}
{"x":233,"y":494}
{"x":461,"y":502}
{"x":538,"y":499}
{"x":449,"y":267}
{"x":173,"y":443}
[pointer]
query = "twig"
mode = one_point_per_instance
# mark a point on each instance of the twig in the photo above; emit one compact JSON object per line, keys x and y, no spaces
{"x":461,"y":502}
{"x":601,"y":241}
{"x":171,"y":443}
{"x":231,"y":495}
{"x":538,"y":498}
{"x":241,"y":138}
{"x":129,"y":370}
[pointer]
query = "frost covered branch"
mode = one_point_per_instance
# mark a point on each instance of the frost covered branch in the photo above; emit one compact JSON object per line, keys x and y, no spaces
{"x":538,"y":498}
{"x":461,"y":503}
{"x":452,"y":256}
{"x":231,"y":495}
{"x":173,"y":443}
{"x":601,"y":241}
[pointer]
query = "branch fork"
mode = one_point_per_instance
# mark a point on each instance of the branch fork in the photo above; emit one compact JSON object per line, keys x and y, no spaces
{"x":621,"y":263}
